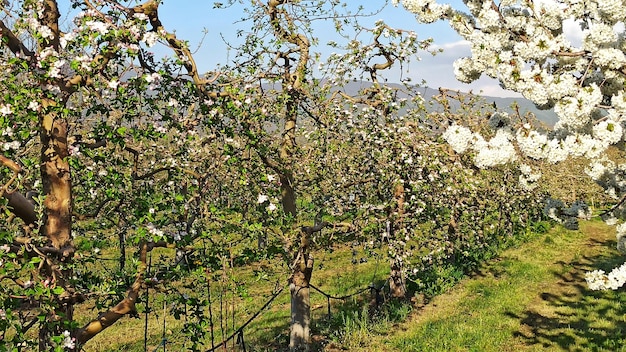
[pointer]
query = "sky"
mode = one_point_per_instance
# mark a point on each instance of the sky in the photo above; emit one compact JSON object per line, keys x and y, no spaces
{"x":190,"y":18}
{"x":205,"y":27}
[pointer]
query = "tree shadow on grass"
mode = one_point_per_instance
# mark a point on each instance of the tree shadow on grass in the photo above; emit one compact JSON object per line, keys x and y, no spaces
{"x":569,"y":316}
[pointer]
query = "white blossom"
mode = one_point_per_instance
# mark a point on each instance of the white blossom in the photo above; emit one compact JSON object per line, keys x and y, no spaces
{"x":45,"y":32}
{"x":14,"y":145}
{"x":66,"y":38}
{"x":97,"y":26}
{"x":68,"y":340}
{"x":113,"y":84}
{"x":6,"y":109}
{"x":74,"y":150}
{"x":150,"y":38}
{"x":140,"y":16}
{"x":262,"y":198}
{"x":460,"y":138}
{"x":528,"y":179}
{"x":498,"y":151}
{"x":154,"y":231}
{"x":599,"y":280}
{"x":608,"y":131}
{"x":153,"y":77}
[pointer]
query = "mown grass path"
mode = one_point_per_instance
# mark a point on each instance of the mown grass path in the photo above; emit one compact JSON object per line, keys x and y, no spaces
{"x":533,"y":298}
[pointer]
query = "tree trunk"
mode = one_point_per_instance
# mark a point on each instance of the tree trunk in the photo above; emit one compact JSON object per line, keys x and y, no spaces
{"x":397,"y":282}
{"x":57,"y":221}
{"x":288,"y":194}
{"x":55,"y":175}
{"x":300,"y":337}
{"x":293,"y":79}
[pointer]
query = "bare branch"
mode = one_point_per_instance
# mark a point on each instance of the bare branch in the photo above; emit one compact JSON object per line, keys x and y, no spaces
{"x":21,"y":207}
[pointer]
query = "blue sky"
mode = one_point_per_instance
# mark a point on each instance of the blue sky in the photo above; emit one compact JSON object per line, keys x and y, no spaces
{"x":189,"y":19}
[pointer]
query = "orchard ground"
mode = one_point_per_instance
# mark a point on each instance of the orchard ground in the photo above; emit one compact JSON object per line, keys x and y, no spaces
{"x":531,"y":298}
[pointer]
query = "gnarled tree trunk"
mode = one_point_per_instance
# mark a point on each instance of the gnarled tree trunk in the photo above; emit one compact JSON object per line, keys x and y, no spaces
{"x":57,"y":220}
{"x":299,"y":336}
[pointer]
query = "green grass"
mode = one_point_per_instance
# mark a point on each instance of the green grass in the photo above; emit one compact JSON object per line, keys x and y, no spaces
{"x":530,"y":298}
{"x":533,"y":298}
{"x":334,"y":274}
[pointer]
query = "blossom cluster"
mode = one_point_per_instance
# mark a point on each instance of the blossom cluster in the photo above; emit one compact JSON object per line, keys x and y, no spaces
{"x":497,"y":151}
{"x":599,"y":280}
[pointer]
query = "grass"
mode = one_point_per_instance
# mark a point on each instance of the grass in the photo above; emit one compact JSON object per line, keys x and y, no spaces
{"x":533,"y":298}
{"x":334,"y":273}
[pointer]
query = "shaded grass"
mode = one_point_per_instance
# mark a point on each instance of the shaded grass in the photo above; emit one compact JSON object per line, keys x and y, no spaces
{"x":533,"y":298}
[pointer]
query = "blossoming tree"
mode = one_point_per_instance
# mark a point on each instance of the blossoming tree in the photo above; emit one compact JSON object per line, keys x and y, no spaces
{"x":125,"y":140}
{"x":102,"y":139}
{"x":90,"y":98}
{"x":285,"y":92}
{"x":528,"y":47}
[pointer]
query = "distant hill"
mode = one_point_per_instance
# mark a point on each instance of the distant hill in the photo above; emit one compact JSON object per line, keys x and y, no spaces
{"x":546,"y":116}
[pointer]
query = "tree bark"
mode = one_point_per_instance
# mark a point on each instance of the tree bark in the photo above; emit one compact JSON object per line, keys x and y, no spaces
{"x":57,"y":217}
{"x":55,"y":175}
{"x":397,"y":281}
{"x":300,"y":335}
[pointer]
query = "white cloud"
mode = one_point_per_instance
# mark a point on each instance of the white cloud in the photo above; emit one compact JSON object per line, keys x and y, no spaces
{"x":573,"y":32}
{"x":438,"y":71}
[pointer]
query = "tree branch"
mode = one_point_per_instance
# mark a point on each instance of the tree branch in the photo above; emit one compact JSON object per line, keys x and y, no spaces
{"x":150,"y":9}
{"x":14,"y":43}
{"x":127,"y":305}
{"x":19,"y":205}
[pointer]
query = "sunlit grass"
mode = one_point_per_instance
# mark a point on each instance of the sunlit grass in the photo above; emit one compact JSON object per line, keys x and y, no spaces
{"x":531,"y":297}
{"x":534,"y":298}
